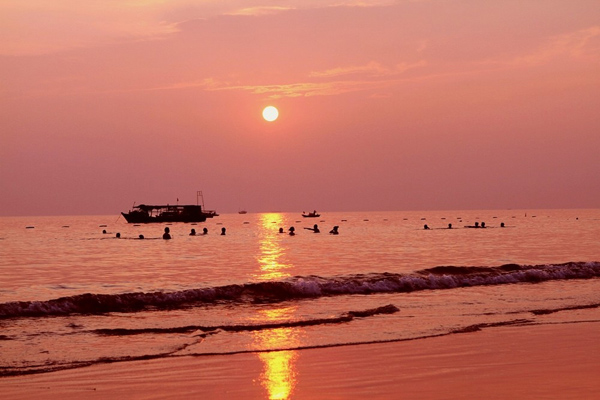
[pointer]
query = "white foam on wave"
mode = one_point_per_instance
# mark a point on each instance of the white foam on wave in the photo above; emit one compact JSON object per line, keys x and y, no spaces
{"x":302,"y":287}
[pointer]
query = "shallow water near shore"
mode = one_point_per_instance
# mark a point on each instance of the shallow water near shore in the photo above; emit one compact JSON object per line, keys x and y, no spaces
{"x":72,"y":296}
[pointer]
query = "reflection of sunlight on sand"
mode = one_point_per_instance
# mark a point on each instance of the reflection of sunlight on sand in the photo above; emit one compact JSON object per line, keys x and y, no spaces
{"x":271,"y":252}
{"x":279,"y":374}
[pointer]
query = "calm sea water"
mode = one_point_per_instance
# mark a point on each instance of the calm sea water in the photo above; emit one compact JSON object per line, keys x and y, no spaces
{"x":72,"y":296}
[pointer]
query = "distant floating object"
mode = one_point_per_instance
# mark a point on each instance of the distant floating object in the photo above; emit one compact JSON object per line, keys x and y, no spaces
{"x":242,"y":212}
{"x":313,"y":214}
{"x":65,"y":226}
{"x":423,"y":219}
{"x":365,"y":219}
{"x":29,"y":227}
{"x":246,"y":222}
{"x":102,"y":226}
{"x":344,"y":220}
{"x":443,"y":217}
{"x":405,"y":219}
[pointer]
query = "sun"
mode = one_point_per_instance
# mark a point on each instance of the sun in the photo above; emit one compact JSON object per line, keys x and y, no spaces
{"x":270,"y":113}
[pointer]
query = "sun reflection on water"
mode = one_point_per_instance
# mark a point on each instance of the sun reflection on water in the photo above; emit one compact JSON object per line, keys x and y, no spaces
{"x":279,"y":374}
{"x":272,"y":254}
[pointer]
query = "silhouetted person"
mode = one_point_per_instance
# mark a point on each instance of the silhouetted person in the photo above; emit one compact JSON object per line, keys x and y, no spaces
{"x":476,"y":224}
{"x":166,"y":235}
{"x":449,"y":226}
{"x":292,"y":229}
{"x":425,"y":227}
{"x":104,"y":231}
{"x":483,"y":224}
{"x":223,"y":231}
{"x":280,"y":230}
{"x":205,"y":231}
{"x":502,"y":225}
{"x":315,"y":228}
{"x":193,"y":232}
{"x":118,"y":235}
{"x":334,"y":230}
{"x":141,"y":236}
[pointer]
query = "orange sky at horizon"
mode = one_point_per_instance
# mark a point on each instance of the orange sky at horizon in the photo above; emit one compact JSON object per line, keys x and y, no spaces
{"x":383,"y":105}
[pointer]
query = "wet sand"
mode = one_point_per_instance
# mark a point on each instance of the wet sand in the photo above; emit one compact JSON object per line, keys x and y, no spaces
{"x":554,"y":361}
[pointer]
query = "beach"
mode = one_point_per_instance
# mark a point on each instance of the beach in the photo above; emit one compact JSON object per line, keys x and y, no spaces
{"x":553,"y":361}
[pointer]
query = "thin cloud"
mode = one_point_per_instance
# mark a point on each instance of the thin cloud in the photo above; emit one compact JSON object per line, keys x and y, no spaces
{"x":257,"y":11}
{"x":372,"y":69}
{"x":583,"y":43}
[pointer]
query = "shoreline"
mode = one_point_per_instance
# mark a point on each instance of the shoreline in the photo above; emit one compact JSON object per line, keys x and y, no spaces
{"x":555,"y":360}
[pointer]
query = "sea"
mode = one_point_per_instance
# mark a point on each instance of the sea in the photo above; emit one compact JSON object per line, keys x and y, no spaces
{"x":73,"y":294}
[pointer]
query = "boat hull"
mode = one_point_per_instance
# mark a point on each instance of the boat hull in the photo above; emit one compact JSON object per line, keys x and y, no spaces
{"x":141,"y":218}
{"x":145,"y":214}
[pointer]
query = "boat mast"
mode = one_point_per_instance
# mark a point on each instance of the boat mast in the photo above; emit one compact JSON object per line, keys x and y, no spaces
{"x":198,"y":197}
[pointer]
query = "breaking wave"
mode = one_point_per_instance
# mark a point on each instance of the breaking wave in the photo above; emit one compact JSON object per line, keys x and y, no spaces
{"x":437,"y":278}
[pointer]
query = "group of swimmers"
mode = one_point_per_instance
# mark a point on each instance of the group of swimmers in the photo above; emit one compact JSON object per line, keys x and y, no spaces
{"x":315,"y":229}
{"x":292,"y":231}
{"x":477,"y":225}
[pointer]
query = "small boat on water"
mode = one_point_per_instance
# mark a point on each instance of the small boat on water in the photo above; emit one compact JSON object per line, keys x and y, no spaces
{"x":313,"y":214}
{"x":144,"y":213}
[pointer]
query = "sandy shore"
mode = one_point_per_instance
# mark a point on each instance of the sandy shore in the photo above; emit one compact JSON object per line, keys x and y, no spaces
{"x":544,"y":361}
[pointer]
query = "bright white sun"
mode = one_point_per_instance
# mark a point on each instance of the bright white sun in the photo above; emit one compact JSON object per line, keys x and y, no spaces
{"x":270,"y":113}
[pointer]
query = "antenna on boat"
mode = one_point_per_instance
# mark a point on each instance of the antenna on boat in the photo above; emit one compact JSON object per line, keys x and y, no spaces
{"x":198,"y":197}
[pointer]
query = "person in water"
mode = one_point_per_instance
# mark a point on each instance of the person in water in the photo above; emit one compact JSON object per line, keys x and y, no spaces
{"x":292,"y":229}
{"x":502,"y":225}
{"x":205,"y":231}
{"x":334,"y":230}
{"x":193,"y":232}
{"x":315,"y":228}
{"x":141,"y":236}
{"x":449,"y":226}
{"x":223,"y":231}
{"x":483,"y":224}
{"x":425,"y":226}
{"x":166,"y":235}
{"x":118,"y":236}
{"x":280,"y":230}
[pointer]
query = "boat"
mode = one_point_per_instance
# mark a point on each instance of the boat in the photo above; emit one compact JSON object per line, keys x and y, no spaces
{"x":144,"y":213}
{"x":242,"y":212}
{"x":313,"y":214}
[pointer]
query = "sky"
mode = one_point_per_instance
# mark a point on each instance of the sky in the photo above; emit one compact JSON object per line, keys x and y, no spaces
{"x":383,"y":105}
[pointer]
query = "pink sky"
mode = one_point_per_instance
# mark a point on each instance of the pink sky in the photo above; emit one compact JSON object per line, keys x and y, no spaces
{"x":384,"y":105}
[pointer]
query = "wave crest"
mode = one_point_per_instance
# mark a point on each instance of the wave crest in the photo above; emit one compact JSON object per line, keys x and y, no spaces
{"x":438,"y":278}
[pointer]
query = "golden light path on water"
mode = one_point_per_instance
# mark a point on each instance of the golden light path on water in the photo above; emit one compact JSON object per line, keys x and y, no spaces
{"x":279,"y":374}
